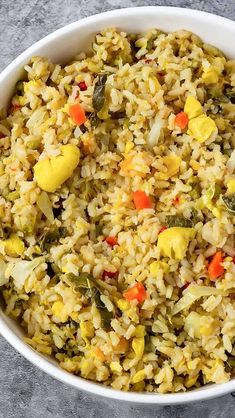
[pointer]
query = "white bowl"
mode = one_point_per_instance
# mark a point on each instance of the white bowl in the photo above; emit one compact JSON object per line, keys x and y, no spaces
{"x":60,"y":46}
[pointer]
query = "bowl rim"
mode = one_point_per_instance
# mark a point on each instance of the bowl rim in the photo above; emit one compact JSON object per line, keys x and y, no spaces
{"x":208,"y":392}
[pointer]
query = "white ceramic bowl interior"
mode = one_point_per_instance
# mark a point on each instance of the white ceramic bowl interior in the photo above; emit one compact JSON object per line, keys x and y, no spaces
{"x":62,"y":45}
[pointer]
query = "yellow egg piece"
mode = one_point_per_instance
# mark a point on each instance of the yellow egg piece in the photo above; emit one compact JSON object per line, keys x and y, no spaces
{"x":140,"y":331}
{"x":138,"y":345}
{"x":58,"y":310}
{"x":115,"y":367}
{"x":86,"y":366}
{"x":156,"y":266}
{"x":201,"y":128}
{"x":192,"y":107}
{"x":139,"y":376}
{"x":199,"y":325}
{"x":172,"y":163}
{"x":190,"y":381}
{"x":231,"y":185}
{"x":14,"y":246}
{"x":51,"y":173}
{"x":192,"y":323}
{"x":129,"y":146}
{"x":210,"y":76}
{"x":173,"y":242}
{"x":2,"y":170}
{"x":123,"y":304}
{"x":87,"y":330}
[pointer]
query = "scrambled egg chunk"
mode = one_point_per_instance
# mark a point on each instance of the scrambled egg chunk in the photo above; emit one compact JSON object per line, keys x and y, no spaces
{"x":172,"y":163}
{"x":201,"y":128}
{"x":210,"y":75}
{"x":173,"y":242}
{"x":139,"y":376}
{"x":123,"y":304}
{"x":231,"y":185}
{"x":138,"y":345}
{"x":14,"y":246}
{"x":51,"y":173}
{"x":192,"y":107}
{"x":58,"y":310}
{"x":129,"y":146}
{"x":211,"y":71}
{"x":115,"y":367}
{"x":87,"y":330}
{"x":155,"y":266}
{"x":136,"y":164}
{"x":199,"y":325}
{"x":140,"y":331}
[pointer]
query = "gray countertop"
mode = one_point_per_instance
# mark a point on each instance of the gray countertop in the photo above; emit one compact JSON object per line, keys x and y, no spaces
{"x":25,"y":391}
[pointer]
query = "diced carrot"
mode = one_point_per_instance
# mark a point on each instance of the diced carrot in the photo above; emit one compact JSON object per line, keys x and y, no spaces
{"x":14,"y":107}
{"x":215,"y":269}
{"x":77,"y":114}
{"x":163,"y":228}
{"x":181,"y":120}
{"x":122,"y":346}
{"x":111,"y":241}
{"x":137,"y":292}
{"x":141,"y":200}
{"x":109,"y":275}
{"x":176,"y":200}
{"x":82,"y":85}
{"x":98,"y":353}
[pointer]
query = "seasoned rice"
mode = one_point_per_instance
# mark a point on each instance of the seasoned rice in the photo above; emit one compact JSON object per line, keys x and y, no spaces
{"x":72,"y":252}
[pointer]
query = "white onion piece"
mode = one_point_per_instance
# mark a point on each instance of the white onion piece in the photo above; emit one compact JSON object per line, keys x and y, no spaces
{"x":45,"y":206}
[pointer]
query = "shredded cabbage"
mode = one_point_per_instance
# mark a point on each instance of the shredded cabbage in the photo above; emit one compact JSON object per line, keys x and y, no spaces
{"x":155,"y":131}
{"x":231,"y":163}
{"x":77,"y":132}
{"x":75,"y":91}
{"x":22,"y":270}
{"x":3,"y":278}
{"x":208,"y":196}
{"x":45,"y":206}
{"x":193,"y":293}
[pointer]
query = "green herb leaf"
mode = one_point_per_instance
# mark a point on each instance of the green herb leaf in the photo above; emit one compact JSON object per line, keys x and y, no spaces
{"x":178,"y":220}
{"x":94,"y":120}
{"x":118,"y":115}
{"x":231,"y":362}
{"x":19,"y":87}
{"x":150,"y":42}
{"x":194,"y":217}
{"x":229,"y":202}
{"x":86,"y":285}
{"x":52,"y":237}
{"x":149,"y":45}
{"x":218,"y":191}
{"x":63,"y":232}
{"x":98,"y":230}
{"x":99,"y":92}
{"x":231,"y":95}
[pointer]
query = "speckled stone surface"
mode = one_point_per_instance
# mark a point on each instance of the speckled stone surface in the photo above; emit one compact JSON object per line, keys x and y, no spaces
{"x":25,"y":391}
